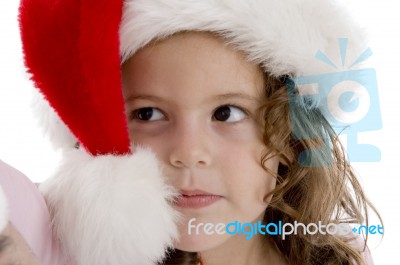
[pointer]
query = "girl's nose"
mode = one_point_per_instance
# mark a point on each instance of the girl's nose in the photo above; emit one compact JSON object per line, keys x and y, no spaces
{"x":190,"y":147}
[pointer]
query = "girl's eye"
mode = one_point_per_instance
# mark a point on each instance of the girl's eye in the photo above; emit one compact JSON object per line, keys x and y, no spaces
{"x":147,"y":114}
{"x":229,"y":113}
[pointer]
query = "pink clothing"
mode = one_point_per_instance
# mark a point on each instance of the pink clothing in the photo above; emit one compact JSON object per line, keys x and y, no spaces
{"x":29,"y":215}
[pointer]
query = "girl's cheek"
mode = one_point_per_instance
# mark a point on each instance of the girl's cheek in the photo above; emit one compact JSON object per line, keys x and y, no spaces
{"x":155,"y":140}
{"x":244,"y":132}
{"x":145,"y":132}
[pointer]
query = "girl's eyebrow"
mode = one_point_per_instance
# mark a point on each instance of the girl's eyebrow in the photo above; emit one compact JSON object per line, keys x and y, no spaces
{"x":148,"y":97}
{"x":236,"y":95}
{"x":232,"y":95}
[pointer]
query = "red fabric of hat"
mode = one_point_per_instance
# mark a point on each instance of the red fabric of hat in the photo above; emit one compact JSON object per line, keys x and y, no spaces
{"x":81,"y":77}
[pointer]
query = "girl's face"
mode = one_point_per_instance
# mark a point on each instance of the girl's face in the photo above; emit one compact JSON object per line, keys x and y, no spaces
{"x":193,"y":100}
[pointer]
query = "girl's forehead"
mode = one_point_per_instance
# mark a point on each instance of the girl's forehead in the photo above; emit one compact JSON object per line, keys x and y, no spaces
{"x":191,"y":39}
{"x":200,"y":57}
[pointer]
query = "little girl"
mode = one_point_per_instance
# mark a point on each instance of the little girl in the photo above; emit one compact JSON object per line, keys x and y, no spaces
{"x":178,"y":125}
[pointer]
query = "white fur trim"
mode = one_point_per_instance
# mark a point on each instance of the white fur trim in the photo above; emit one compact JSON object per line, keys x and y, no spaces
{"x":52,"y":126}
{"x":283,"y":36}
{"x":110,"y":210}
{"x":3,"y":210}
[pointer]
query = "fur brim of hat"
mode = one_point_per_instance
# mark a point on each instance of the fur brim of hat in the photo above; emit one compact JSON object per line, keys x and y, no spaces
{"x":282,"y":36}
{"x":112,"y":209}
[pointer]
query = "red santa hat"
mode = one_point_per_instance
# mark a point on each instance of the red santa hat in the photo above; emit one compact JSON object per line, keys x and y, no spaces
{"x":108,"y":200}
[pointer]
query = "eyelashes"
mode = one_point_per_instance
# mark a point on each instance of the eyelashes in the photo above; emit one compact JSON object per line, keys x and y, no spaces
{"x":147,"y":114}
{"x":228,"y":113}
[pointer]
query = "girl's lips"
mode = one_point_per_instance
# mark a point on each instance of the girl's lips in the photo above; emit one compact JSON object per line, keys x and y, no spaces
{"x":196,"y":200}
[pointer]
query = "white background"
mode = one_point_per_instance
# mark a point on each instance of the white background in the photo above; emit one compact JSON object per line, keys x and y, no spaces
{"x":23,"y":146}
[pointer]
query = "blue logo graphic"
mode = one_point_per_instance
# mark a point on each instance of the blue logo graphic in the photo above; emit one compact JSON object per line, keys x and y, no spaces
{"x":349,"y":101}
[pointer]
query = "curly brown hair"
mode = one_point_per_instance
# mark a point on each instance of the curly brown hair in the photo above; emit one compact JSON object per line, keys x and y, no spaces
{"x":315,"y":182}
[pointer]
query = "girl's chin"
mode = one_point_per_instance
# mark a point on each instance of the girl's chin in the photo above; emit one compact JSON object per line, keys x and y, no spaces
{"x":200,"y":243}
